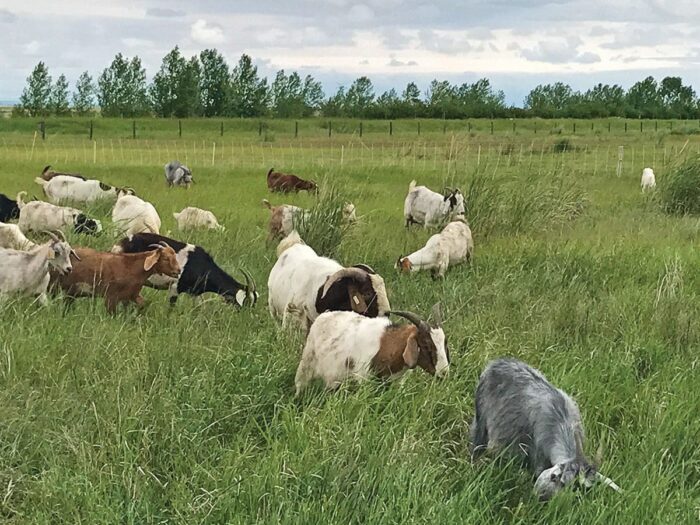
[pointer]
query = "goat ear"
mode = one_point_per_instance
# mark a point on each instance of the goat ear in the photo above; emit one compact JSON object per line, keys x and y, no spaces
{"x":357,"y":301}
{"x":151,"y":260}
{"x":51,"y":254}
{"x":410,"y":352}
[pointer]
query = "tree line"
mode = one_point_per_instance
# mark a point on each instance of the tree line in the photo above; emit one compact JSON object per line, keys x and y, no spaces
{"x":206,"y":86}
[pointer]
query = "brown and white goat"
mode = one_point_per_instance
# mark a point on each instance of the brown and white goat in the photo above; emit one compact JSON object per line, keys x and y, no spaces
{"x":346,"y":345}
{"x":287,"y":183}
{"x":283,"y":217}
{"x":118,"y":277}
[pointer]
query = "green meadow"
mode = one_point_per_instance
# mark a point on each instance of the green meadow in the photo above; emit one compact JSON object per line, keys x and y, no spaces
{"x":187,"y":414}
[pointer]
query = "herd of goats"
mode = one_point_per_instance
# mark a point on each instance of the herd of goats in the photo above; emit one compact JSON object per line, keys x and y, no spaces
{"x":343,"y":310}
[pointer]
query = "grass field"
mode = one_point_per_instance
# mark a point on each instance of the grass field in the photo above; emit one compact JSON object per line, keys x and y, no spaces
{"x":187,"y":414}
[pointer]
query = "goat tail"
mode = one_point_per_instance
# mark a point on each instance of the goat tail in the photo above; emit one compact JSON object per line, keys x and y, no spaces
{"x":41,"y":182}
{"x":20,"y":199}
{"x":267,"y":204}
{"x":412,"y":186}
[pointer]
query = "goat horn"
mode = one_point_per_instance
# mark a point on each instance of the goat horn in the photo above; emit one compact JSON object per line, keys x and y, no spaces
{"x":249,"y":285}
{"x":420,"y":324}
{"x":52,"y":235}
{"x":164,"y":244}
{"x":579,"y":442}
{"x":352,"y":273}
{"x":608,"y":482}
{"x":72,"y":252}
{"x":62,"y":235}
{"x":156,"y":246}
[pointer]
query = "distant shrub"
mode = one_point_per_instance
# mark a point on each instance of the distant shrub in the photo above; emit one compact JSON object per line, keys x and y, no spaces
{"x":562,"y":146}
{"x":680,"y":189}
{"x":323,"y":227}
{"x":686,"y":130}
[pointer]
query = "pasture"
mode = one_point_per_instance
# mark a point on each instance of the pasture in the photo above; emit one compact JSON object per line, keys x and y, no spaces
{"x":188,"y":414}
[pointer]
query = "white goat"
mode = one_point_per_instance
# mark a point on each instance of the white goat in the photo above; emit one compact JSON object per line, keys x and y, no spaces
{"x":192,"y":218}
{"x":305,"y":284}
{"x":66,"y":188}
{"x":134,"y":215}
{"x":284,"y":216}
{"x":12,"y":237}
{"x":40,"y":216}
{"x":344,"y":345}
{"x":648,"y":179}
{"x":453,"y":245}
{"x":424,"y":206}
{"x":27,"y":273}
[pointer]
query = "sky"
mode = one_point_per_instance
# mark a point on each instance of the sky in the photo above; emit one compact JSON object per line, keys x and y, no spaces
{"x":517,"y":44}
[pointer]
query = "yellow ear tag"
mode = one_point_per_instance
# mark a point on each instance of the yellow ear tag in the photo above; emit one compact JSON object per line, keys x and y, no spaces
{"x":354,"y":298}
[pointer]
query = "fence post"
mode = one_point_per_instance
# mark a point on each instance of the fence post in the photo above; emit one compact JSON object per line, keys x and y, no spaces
{"x":535,"y":127}
{"x":492,"y":127}
{"x":625,"y":126}
{"x":296,"y":128}
{"x":222,"y":128}
{"x":591,"y":126}
{"x":444,"y":128}
{"x":574,"y":128}
{"x":42,"y":128}
{"x":656,"y":125}
{"x":620,"y":156}
{"x":391,"y":128}
{"x":179,"y":128}
{"x":608,"y":127}
{"x":419,"y":127}
{"x":469,"y":127}
{"x":260,"y":129}
{"x":91,"y":130}
{"x":670,"y":125}
{"x":360,"y":129}
{"x":133,"y":129}
{"x":514,"y":126}
{"x":330,"y":128}
{"x":641,"y":126}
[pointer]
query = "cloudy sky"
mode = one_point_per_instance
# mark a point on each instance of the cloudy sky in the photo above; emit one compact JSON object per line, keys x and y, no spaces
{"x":516,"y":43}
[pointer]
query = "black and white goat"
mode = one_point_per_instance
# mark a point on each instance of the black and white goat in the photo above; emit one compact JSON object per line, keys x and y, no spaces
{"x":426,"y":207}
{"x":200,"y":274}
{"x":518,"y":409}
{"x":8,"y":208}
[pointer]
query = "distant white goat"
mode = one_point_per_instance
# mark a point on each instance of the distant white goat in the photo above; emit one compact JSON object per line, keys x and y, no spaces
{"x":12,"y":237}
{"x":426,"y":207}
{"x":345,"y":345}
{"x":453,"y":245}
{"x":40,"y":216}
{"x":63,"y":188}
{"x":134,"y":215}
{"x":193,"y":218}
{"x":648,"y":179}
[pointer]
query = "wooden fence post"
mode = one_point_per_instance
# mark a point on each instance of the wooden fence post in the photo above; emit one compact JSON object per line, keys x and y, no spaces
{"x":133,"y":129}
{"x":222,"y":128}
{"x":179,"y":128}
{"x":330,"y":128}
{"x":296,"y":128}
{"x":91,"y":130}
{"x":391,"y":128}
{"x":42,"y":128}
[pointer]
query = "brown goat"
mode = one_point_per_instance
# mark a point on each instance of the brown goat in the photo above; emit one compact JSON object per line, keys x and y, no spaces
{"x":118,"y":277}
{"x":287,"y":183}
{"x":48,"y":174}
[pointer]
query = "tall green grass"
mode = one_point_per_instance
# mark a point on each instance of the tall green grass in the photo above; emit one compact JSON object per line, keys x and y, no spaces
{"x":187,"y":414}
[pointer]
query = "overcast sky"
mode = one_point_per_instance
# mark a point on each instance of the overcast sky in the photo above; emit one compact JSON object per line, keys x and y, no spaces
{"x":516,"y":43}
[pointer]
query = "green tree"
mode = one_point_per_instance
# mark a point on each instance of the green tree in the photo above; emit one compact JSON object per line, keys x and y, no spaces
{"x":175,"y":88}
{"x":84,"y":95}
{"x":388,"y":105}
{"x":359,"y":98}
{"x":121,"y":88}
{"x":604,"y":100}
{"x":334,"y":106}
{"x":550,"y":100}
{"x":214,"y":83}
{"x":313,"y":95}
{"x":440,"y":99}
{"x":643,"y":99}
{"x":59,"y":104}
{"x":412,"y":100}
{"x":287,"y":95}
{"x":36,"y":96}
{"x":249,"y":92}
{"x":679,"y":101}
{"x":481,"y":100}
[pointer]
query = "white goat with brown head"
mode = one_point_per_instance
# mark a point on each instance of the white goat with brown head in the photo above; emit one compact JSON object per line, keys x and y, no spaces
{"x":345,"y":345}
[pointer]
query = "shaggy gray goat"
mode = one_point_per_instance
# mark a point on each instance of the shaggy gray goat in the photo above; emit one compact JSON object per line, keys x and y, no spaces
{"x":518,"y":409}
{"x":177,"y":174}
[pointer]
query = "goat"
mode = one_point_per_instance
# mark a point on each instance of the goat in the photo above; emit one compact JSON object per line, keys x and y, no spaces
{"x":63,"y":188}
{"x":648,"y":179}
{"x":47,"y":174}
{"x":133,"y":215}
{"x":304,"y":283}
{"x":12,"y":237}
{"x":518,"y":409}
{"x":117,"y":277}
{"x":190,"y":218}
{"x":426,"y":207}
{"x":177,"y":174}
{"x":344,"y":345}
{"x":453,"y":245}
{"x":286,"y":183}
{"x":200,"y":274}
{"x":8,"y":208}
{"x":282,"y":217}
{"x":39,"y":216}
{"x":27,"y":273}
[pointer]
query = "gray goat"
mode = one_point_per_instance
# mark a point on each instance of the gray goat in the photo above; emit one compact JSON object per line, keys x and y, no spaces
{"x":518,"y":409}
{"x":177,"y":174}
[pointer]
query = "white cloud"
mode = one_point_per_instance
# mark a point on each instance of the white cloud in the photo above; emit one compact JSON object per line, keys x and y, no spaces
{"x":32,"y":48}
{"x":206,"y":34}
